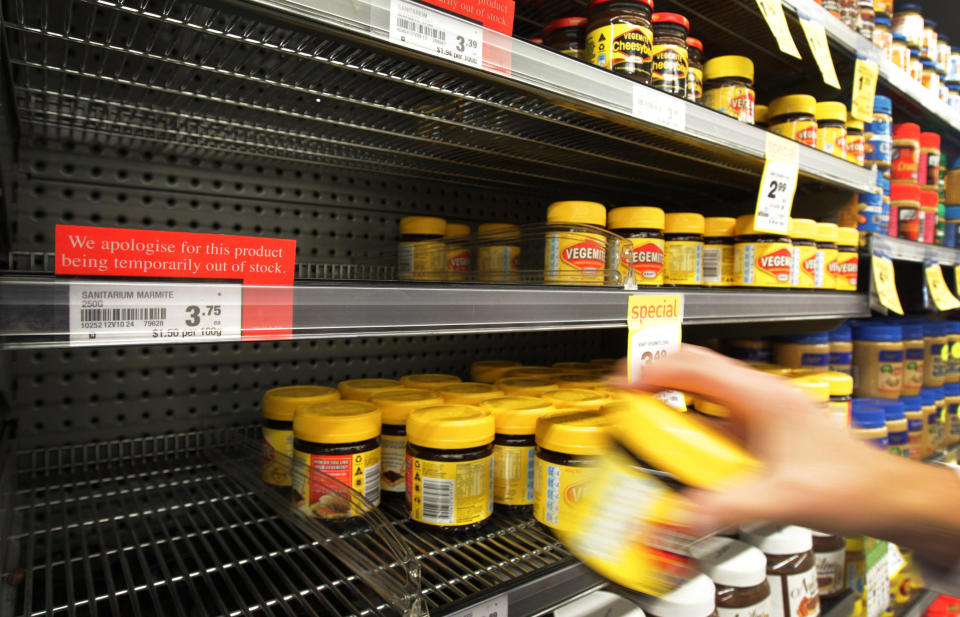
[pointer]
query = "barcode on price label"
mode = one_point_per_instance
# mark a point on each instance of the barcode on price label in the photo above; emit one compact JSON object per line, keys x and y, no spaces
{"x":104,"y":313}
{"x":430,"y":31}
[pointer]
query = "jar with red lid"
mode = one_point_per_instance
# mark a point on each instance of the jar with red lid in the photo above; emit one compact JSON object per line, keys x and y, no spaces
{"x":906,"y":199}
{"x":669,"y":58}
{"x":905,"y":167}
{"x":928,"y":216}
{"x":567,"y":35}
{"x":694,"y":89}
{"x":928,"y":170}
{"x":620,"y":37}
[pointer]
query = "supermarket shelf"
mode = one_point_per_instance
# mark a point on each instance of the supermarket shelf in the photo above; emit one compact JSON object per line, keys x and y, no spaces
{"x":909,"y":250}
{"x":34,"y":310}
{"x":157,"y":526}
{"x":350,"y":96}
{"x":841,"y":606}
{"x":921,"y":604}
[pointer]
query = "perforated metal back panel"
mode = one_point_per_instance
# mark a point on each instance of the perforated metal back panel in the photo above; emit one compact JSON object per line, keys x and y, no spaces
{"x":81,"y":395}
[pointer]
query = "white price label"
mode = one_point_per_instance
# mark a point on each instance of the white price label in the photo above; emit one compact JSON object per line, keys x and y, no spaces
{"x":659,"y":108}
{"x":777,"y":185}
{"x":103,"y":313}
{"x":672,"y":398}
{"x":424,"y":29}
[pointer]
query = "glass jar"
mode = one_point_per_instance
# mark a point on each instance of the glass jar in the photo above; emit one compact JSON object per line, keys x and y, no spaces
{"x":929,"y":216}
{"x":670,"y":57}
{"x":791,"y":566}
{"x":620,"y":37}
{"x":908,"y":21}
{"x":915,"y":66}
{"x":854,"y":142}
{"x":728,"y":86}
{"x":906,"y":199}
{"x":575,"y":256}
{"x":395,"y":407}
{"x":867,"y":16}
{"x":760,"y":259}
{"x":830,"y":552}
{"x":803,"y":350}
{"x":878,"y":134}
{"x":869,"y":424}
{"x":694,"y":88}
{"x":928,"y":172}
{"x":928,"y":47}
{"x":279,"y":405}
{"x":841,"y":350}
{"x":905,"y":164}
{"x":900,"y":52}
{"x":913,"y":354}
{"x":643,"y":226}
{"x":827,"y":254}
{"x":877,"y":360}
{"x":761,"y":114}
{"x":883,"y":37}
{"x":848,"y":259}
{"x":935,"y":364}
{"x":831,"y":119}
{"x":792,"y":116}
{"x":683,"y":248}
{"x":929,"y":77}
{"x":803,"y":239}
{"x":568,"y":36}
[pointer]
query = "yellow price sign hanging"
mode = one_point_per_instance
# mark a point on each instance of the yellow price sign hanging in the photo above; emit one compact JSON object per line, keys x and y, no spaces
{"x":885,"y":282}
{"x":865,"y":74}
{"x":772,"y":11}
{"x":654,"y":330}
{"x":941,"y":295}
{"x":817,"y":41}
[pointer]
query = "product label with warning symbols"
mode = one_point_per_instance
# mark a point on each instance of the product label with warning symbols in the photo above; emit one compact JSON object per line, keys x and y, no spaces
{"x":621,"y":47}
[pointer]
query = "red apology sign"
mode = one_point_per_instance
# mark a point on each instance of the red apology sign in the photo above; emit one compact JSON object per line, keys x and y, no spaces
{"x":109,"y":251}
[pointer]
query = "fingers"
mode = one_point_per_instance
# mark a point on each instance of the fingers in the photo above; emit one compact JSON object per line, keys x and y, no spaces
{"x":767,"y":499}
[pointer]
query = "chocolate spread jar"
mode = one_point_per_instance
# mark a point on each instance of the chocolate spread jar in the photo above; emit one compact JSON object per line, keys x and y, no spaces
{"x":791,"y":567}
{"x":740,"y":573}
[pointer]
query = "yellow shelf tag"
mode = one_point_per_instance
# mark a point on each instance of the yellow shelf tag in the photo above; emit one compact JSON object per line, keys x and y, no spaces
{"x":885,"y":282}
{"x":865,"y":74}
{"x":817,"y":40}
{"x":772,"y":11}
{"x":654,"y":330}
{"x":939,"y":292}
{"x":777,"y":185}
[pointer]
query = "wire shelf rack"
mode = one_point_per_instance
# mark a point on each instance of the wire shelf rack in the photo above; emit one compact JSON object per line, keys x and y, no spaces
{"x":156,"y":526}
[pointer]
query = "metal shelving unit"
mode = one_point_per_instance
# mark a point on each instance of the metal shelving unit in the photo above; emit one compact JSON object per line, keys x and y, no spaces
{"x":33,"y":311}
{"x":909,"y":250}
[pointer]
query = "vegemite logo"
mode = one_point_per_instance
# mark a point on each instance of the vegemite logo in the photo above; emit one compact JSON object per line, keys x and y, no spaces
{"x":633,"y":45}
{"x":515,"y":262}
{"x":777,"y":264}
{"x":847,"y":269}
{"x":809,"y":266}
{"x":574,"y":493}
{"x":459,"y":262}
{"x":668,"y":65}
{"x":807,"y":135}
{"x":585,"y":255}
{"x":648,"y":260}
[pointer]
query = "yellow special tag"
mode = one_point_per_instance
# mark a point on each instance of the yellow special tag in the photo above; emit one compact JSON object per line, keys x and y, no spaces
{"x":865,"y":75}
{"x":939,"y":292}
{"x":772,"y":11}
{"x":885,"y":282}
{"x":777,"y":185}
{"x":654,"y":329}
{"x":817,"y":40}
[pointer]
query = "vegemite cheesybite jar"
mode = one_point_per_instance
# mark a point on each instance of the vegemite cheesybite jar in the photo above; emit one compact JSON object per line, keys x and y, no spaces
{"x":395,"y":407}
{"x":670,"y":58}
{"x":514,"y":447}
{"x":575,"y":256}
{"x":643,"y":226}
{"x":620,"y":37}
{"x":728,"y":86}
{"x":568,"y":36}
{"x":279,"y":404}
{"x":694,"y":89}
{"x":342,"y":440}
{"x":450,"y":466}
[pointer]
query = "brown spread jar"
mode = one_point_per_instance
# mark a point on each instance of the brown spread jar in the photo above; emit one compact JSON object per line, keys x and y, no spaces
{"x":620,"y":37}
{"x":567,"y":35}
{"x":791,"y":567}
{"x":739,"y":572}
{"x":803,"y":351}
{"x":695,"y":598}
{"x":877,"y":361}
{"x":913,"y":347}
{"x":829,"y":551}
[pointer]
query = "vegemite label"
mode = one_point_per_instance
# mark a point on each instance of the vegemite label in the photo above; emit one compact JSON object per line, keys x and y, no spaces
{"x":668,"y":68}
{"x":647,"y":260}
{"x":624,"y":48}
{"x":585,"y":255}
{"x":777,"y":264}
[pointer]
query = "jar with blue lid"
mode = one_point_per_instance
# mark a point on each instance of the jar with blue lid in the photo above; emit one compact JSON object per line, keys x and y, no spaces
{"x":896,"y":421}
{"x":841,"y":349}
{"x":803,"y":350}
{"x":952,"y":216}
{"x":877,"y":360}
{"x":878,"y":134}
{"x":913,"y":410}
{"x":913,"y":354}
{"x":869,"y":424}
{"x":930,"y":397}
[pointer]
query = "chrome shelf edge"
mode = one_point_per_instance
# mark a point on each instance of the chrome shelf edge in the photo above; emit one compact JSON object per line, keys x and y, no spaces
{"x":909,"y":250}
{"x":579,"y":84}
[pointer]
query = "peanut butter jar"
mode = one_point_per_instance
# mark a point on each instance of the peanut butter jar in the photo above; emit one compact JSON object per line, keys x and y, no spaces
{"x":877,"y":361}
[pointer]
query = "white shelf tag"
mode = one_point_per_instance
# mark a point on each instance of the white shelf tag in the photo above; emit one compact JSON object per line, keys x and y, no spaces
{"x":116,"y":312}
{"x":777,"y":185}
{"x":659,"y":108}
{"x":430,"y":31}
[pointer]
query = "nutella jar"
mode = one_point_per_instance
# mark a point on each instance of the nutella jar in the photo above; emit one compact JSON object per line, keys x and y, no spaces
{"x":739,"y":572}
{"x":791,"y":567}
{"x":695,"y":598}
{"x":829,"y":551}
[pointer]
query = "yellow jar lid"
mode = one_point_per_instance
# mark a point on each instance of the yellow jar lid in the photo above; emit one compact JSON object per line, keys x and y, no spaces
{"x":719,"y":226}
{"x":710,"y":408}
{"x":507,"y":230}
{"x":803,"y":229}
{"x":572,"y":398}
{"x":579,"y":212}
{"x":574,"y":367}
{"x":450,"y":427}
{"x":396,"y":405}
{"x":280,"y":403}
{"x":579,"y":381}
{"x":728,"y":66}
{"x":827,"y":232}
{"x":422,"y":226}
{"x":573,"y":431}
{"x":337,"y":422}
{"x":516,"y":415}
{"x":745,"y":227}
{"x":848,"y":236}
{"x":542,"y":372}
{"x":468,"y":393}
{"x":635,"y":217}
{"x":760,"y":114}
{"x":856,"y":125}
{"x":816,"y":389}
{"x":840,"y":384}
{"x":488,"y":371}
{"x":614,"y":393}
{"x":428,"y":381}
{"x":772,"y":369}
{"x":792,"y":104}
{"x":683,"y":223}
{"x":831,"y":110}
{"x":363,"y":389}
{"x":528,"y":386}
{"x":456,"y":230}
